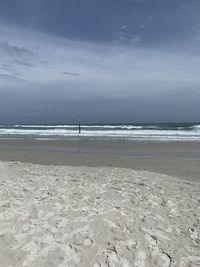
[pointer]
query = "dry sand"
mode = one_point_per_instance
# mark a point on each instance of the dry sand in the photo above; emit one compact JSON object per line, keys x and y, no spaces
{"x":99,"y":217}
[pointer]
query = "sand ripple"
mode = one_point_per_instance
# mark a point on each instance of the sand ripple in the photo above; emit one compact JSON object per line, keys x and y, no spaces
{"x":98,"y":217}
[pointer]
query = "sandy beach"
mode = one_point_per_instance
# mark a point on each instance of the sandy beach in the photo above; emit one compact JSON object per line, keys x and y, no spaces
{"x":96,"y":216}
{"x":99,"y":133}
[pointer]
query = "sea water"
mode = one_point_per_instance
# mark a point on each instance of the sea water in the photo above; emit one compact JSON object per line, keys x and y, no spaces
{"x":148,"y":132}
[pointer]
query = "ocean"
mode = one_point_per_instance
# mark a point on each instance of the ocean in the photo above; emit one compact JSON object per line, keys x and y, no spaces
{"x":140,"y":132}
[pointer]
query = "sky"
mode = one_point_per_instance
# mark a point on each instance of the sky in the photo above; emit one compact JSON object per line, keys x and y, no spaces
{"x":99,"y":61}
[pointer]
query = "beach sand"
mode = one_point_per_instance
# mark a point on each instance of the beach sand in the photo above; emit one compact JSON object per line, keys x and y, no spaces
{"x":96,"y":216}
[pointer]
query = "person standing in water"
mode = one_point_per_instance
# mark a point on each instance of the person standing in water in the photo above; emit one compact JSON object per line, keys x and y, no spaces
{"x":79,"y":127}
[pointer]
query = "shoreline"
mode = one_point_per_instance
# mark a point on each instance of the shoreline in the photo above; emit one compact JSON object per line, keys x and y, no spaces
{"x":114,"y":148}
{"x":108,"y":154}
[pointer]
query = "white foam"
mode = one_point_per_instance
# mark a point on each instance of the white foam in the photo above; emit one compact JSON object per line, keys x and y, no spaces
{"x":105,"y":131}
{"x":83,"y":126}
{"x":196,"y":127}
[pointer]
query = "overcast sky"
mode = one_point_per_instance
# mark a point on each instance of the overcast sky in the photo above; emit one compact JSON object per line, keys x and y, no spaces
{"x":100,"y":61}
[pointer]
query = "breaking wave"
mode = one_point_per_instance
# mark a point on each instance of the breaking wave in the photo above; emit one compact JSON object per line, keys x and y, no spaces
{"x":131,"y":132}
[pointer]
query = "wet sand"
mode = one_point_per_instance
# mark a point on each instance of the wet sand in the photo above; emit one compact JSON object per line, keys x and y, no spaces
{"x":177,"y":159}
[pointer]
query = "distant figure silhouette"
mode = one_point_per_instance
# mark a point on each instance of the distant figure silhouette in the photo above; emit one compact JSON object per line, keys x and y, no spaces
{"x":79,"y":128}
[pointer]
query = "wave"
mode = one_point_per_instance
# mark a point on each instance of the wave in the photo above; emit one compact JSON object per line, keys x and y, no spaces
{"x":196,"y":127}
{"x":128,"y":131}
{"x":139,"y":134}
{"x":75,"y":126}
{"x":91,"y":127}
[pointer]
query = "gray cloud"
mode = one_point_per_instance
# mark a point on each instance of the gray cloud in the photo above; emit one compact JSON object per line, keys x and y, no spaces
{"x":138,"y":61}
{"x":14,"y":50}
{"x":7,"y":67}
{"x":9,"y":78}
{"x":72,"y":73}
{"x":23,"y":63}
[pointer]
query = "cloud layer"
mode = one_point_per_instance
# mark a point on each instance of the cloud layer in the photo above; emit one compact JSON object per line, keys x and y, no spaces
{"x":132,"y":76}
